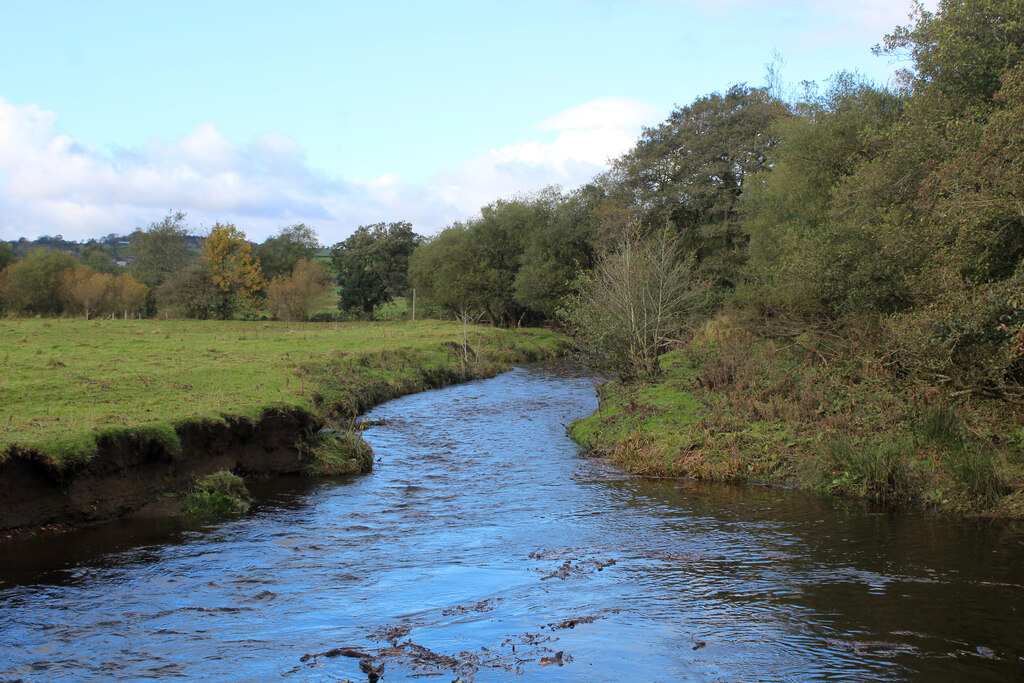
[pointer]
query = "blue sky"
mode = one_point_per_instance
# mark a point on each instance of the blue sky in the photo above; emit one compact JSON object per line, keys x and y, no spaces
{"x":337,"y":114}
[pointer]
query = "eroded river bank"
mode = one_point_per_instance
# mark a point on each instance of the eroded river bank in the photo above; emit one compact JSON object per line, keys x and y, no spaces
{"x":483,"y":546}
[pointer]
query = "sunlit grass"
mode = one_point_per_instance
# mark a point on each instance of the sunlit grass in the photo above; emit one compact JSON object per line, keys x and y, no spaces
{"x":64,"y":380}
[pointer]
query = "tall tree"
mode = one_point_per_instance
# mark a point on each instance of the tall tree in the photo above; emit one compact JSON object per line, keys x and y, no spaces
{"x":228,"y":255}
{"x":689,"y":172}
{"x":372,"y":265}
{"x":160,"y":250}
{"x":279,"y":255}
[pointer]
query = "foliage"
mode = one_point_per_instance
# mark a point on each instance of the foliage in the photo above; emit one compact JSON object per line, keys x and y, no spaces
{"x":336,"y":453}
{"x":803,"y":255}
{"x":32,"y":285}
{"x":689,"y":173}
{"x":635,"y":302}
{"x":220,"y":493}
{"x":372,"y":265}
{"x":295,"y":297}
{"x":160,"y":250}
{"x":228,"y":255}
{"x":190,"y":293}
{"x":6,"y":255}
{"x":96,"y":257}
{"x":279,"y":255}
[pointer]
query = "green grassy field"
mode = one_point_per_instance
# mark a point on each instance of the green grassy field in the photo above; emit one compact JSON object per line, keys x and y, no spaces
{"x":63,"y":381}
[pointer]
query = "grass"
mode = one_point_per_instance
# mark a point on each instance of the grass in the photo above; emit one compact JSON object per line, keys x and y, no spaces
{"x":816,"y":413}
{"x":339,"y":452}
{"x":64,"y":383}
{"x":220,"y":493}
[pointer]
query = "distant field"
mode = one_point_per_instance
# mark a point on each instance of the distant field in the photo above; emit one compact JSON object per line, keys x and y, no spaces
{"x":61,"y":379}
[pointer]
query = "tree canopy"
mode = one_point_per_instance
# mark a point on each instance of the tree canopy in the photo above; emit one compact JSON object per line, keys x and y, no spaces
{"x":372,"y":265}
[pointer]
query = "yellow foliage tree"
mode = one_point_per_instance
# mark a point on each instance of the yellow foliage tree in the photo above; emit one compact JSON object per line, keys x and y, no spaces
{"x":228,"y":254}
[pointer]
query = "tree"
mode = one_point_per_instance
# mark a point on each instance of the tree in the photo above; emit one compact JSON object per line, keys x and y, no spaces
{"x":372,"y":265}
{"x":190,"y":292}
{"x":6,"y":255}
{"x":32,"y":285}
{"x":96,"y":257}
{"x":558,"y":244}
{"x":688,"y":173}
{"x":160,"y":250}
{"x":804,"y":256}
{"x":634,"y":302}
{"x":961,"y":51}
{"x":126,"y":295}
{"x":279,"y":255}
{"x":297,"y":296}
{"x":228,"y":255}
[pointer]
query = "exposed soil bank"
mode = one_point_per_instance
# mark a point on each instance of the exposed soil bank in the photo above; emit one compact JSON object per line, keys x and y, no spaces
{"x":135,"y":470}
{"x":128,"y":472}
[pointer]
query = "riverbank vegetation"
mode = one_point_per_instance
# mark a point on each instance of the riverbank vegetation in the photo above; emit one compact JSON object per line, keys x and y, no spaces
{"x":68,"y":382}
{"x":816,"y":288}
{"x":812,"y":286}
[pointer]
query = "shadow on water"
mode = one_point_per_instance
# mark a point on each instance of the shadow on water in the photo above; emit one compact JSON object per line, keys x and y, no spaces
{"x":483,"y":546}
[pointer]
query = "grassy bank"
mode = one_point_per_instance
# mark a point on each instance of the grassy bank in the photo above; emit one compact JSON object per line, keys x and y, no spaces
{"x":815,"y":413}
{"x":66,"y":382}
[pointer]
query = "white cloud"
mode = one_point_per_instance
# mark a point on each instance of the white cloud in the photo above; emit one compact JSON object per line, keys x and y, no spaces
{"x":54,"y":184}
{"x":588,"y":135}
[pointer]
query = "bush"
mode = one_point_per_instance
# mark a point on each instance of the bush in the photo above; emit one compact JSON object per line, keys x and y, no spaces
{"x":220,"y":493}
{"x":336,"y":453}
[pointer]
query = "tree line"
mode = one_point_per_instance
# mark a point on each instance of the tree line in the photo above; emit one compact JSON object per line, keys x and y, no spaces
{"x":164,"y":270}
{"x":895,"y":212}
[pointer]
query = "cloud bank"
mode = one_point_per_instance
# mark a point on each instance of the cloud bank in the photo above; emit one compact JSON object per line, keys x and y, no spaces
{"x":55,"y":184}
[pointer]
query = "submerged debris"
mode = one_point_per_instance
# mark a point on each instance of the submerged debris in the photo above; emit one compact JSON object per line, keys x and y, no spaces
{"x":572,"y":623}
{"x":482,"y":606}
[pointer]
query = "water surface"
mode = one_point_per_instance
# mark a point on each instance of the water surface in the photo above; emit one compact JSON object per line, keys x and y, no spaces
{"x":484,"y":546}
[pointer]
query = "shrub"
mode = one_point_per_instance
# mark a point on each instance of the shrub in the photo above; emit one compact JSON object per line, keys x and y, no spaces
{"x":336,"y":453}
{"x":219,"y":493}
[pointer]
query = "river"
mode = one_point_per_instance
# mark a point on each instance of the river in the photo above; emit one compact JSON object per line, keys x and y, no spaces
{"x":482,"y":546}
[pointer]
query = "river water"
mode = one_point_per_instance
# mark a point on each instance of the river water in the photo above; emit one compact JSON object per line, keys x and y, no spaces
{"x":484,"y":547}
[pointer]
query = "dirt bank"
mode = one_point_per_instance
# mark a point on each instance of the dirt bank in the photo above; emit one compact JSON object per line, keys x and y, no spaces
{"x":129,"y":472}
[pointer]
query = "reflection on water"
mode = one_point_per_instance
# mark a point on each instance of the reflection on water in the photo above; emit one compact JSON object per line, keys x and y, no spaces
{"x":483,"y":546}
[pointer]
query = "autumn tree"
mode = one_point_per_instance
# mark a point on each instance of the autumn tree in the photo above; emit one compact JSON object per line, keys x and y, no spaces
{"x":228,"y":255}
{"x":126,"y":295}
{"x":296,"y":296}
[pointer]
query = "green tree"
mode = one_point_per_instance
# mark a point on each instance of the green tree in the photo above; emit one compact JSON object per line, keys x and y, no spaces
{"x":804,"y":256}
{"x":372,"y":265}
{"x":32,"y":285}
{"x":96,"y":257}
{"x":190,"y":293}
{"x":556,"y":247}
{"x":279,"y":255}
{"x":688,"y":174}
{"x":6,"y":255}
{"x":237,"y":275}
{"x":160,"y":250}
